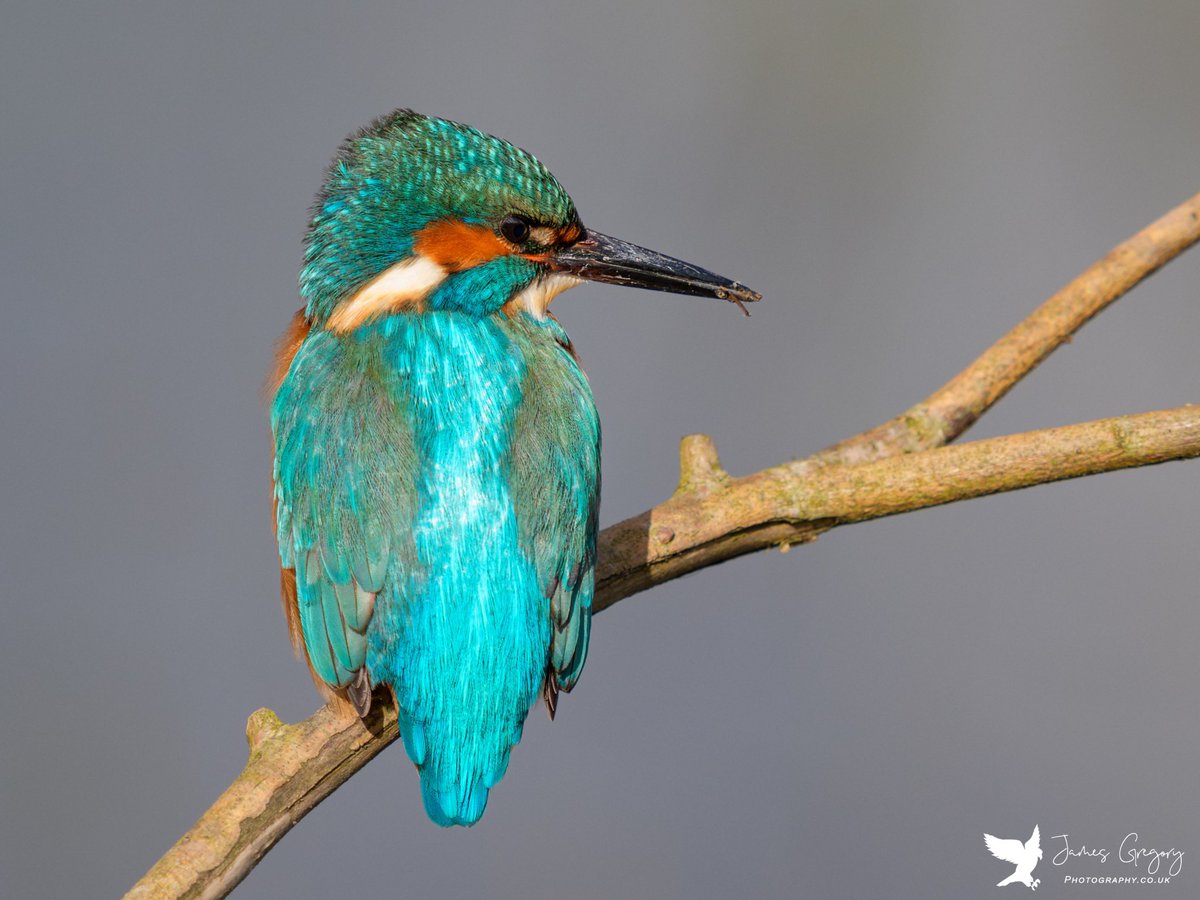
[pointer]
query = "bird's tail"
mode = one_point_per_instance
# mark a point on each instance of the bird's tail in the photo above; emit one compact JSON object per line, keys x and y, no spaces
{"x":452,"y":804}
{"x":454,"y":786}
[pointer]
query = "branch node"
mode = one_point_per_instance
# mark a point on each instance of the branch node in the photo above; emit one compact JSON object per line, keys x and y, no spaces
{"x":699,"y":466}
{"x":262,"y":725}
{"x":664,"y":534}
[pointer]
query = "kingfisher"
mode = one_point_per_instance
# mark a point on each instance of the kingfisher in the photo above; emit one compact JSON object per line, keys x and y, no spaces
{"x":436,"y":444}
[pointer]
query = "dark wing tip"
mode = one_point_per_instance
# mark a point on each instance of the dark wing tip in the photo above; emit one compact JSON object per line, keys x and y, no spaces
{"x":358,"y":692}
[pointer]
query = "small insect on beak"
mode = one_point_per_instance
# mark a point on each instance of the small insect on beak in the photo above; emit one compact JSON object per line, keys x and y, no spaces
{"x":598,"y":257}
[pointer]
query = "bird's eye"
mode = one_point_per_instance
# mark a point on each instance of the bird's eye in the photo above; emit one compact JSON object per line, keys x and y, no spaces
{"x":515,"y":229}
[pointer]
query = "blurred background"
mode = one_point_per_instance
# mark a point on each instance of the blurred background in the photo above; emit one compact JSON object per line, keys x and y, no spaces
{"x":902,"y":181}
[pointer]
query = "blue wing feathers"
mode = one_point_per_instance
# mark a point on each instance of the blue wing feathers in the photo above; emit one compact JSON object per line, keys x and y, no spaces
{"x":556,"y":484}
{"x":332,"y":443}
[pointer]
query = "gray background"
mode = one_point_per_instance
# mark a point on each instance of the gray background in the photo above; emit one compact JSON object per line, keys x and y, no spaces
{"x":902,"y":182}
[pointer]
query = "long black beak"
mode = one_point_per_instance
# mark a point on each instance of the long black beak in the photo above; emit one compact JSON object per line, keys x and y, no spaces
{"x":598,"y":257}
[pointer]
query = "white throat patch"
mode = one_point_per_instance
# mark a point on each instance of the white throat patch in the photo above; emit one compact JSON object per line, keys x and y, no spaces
{"x":536,"y":298}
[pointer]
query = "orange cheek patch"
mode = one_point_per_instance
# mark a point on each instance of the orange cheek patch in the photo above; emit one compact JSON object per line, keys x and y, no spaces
{"x":456,"y":245}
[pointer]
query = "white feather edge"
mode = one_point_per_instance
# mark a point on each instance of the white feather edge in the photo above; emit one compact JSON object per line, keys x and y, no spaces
{"x":405,"y":282}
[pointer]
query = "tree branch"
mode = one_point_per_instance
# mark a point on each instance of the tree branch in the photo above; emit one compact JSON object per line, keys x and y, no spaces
{"x":795,"y":503}
{"x":895,"y":467}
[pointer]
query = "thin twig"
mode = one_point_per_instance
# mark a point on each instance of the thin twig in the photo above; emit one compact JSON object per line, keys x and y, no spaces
{"x":957,"y":405}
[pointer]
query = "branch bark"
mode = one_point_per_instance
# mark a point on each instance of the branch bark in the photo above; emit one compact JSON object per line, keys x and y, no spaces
{"x":795,"y":503}
{"x":898,"y":466}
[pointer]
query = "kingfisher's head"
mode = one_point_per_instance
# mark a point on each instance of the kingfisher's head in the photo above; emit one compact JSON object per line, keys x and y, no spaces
{"x":420,"y":213}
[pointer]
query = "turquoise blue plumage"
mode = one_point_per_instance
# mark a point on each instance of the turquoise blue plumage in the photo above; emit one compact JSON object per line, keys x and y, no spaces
{"x":437,"y":447}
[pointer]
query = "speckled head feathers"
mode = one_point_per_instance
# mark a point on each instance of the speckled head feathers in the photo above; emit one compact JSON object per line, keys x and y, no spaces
{"x":405,"y":172}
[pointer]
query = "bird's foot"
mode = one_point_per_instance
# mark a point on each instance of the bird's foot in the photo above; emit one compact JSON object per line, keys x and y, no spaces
{"x":1036,"y":882}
